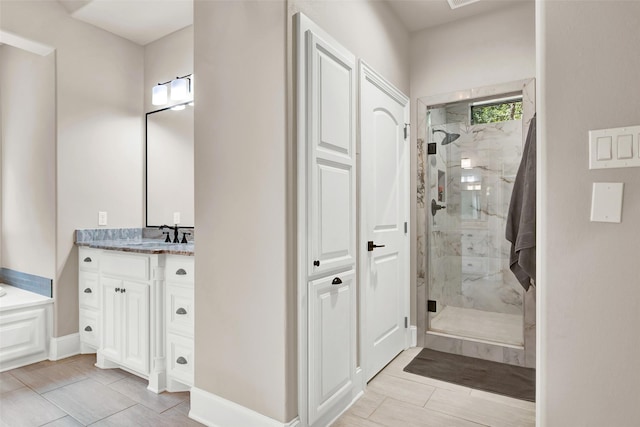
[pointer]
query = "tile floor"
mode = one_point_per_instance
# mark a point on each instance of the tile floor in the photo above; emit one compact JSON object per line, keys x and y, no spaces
{"x":397,"y":398}
{"x":484,"y":325}
{"x":72,"y":392}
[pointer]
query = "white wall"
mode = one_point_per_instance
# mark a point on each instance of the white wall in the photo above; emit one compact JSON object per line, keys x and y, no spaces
{"x":165,"y":59}
{"x":482,"y":50}
{"x":588,"y":291}
{"x":28,"y":226}
{"x":99,"y":124}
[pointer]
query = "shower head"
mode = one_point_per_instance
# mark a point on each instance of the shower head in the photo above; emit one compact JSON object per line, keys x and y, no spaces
{"x":448,"y":137}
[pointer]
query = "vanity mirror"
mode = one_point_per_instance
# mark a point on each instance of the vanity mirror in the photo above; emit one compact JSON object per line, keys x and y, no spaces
{"x":169,"y":166}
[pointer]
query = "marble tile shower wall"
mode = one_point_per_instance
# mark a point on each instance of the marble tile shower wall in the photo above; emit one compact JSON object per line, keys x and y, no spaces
{"x":495,"y":151}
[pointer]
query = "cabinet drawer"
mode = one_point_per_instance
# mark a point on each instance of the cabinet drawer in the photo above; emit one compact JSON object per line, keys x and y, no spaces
{"x":179,"y":269}
{"x":126,"y":265}
{"x":89,"y":294}
{"x":180,"y":310}
{"x":180,"y":358}
{"x":88,"y":259}
{"x":89,"y":327}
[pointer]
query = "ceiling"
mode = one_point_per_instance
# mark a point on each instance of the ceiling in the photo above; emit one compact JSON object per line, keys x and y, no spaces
{"x":144,"y":21}
{"x":141,"y":21}
{"x":417,"y":15}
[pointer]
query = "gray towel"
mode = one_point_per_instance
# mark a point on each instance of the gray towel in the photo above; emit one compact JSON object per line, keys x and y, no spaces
{"x":521,"y":219}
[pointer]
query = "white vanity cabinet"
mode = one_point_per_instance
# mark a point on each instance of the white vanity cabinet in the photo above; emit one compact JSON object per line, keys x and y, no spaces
{"x":89,"y":299}
{"x":179,"y":314}
{"x":131,"y":327}
{"x":137,"y":312}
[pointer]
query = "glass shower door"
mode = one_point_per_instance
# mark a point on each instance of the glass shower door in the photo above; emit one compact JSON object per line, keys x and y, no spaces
{"x":470,"y":173}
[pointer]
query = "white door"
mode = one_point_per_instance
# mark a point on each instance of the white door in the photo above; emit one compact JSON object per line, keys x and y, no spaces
{"x":331,"y":145}
{"x":135,"y":352}
{"x":332,"y":355}
{"x":385,"y":215}
{"x":327,"y":224}
{"x":111,"y":319}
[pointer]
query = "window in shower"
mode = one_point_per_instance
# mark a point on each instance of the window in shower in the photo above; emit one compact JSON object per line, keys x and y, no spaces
{"x":496,"y":110}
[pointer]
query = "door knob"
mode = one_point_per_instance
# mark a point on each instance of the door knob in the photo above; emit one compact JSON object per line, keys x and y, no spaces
{"x":371,"y":246}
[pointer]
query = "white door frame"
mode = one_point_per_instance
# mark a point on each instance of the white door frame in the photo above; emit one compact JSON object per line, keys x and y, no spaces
{"x":368,"y":73}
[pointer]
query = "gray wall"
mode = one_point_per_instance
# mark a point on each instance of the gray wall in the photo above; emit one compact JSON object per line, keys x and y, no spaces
{"x":243,"y":339}
{"x":482,"y":50}
{"x":28,"y":192}
{"x":245,"y":277}
{"x":99,"y":133}
{"x":588,"y":290}
{"x":165,"y":59}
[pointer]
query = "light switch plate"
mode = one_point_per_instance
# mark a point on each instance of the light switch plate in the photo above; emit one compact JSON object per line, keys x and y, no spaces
{"x":102,"y":218}
{"x":614,"y":148}
{"x":606,"y":202}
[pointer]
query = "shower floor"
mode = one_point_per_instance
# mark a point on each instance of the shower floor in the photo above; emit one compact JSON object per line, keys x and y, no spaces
{"x":481,"y":325}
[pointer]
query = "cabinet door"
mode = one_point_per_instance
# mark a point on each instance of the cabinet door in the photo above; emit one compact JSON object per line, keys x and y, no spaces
{"x":332,"y":343}
{"x":331,"y":156}
{"x":111,"y":318}
{"x":135,"y":338}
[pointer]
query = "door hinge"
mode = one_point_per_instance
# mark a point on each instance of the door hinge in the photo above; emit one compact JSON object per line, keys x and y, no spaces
{"x":406,"y":130}
{"x":405,"y":227}
{"x":406,"y":322}
{"x":431,"y":306}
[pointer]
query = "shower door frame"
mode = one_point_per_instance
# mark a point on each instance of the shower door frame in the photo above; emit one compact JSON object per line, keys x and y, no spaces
{"x":525,"y":357}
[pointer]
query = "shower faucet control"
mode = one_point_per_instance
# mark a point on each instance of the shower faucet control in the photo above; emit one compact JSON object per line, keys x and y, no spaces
{"x":435,"y":207}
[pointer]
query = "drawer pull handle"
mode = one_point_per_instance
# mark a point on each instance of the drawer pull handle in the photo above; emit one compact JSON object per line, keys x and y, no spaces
{"x":181,"y":361}
{"x":88,"y":291}
{"x":88,"y":329}
{"x":336,"y":281}
{"x":181,"y":311}
{"x":87,"y":259}
{"x":181,"y":272}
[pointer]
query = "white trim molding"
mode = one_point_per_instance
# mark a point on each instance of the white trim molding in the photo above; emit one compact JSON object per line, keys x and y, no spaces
{"x":413,"y":330}
{"x":63,"y":347}
{"x":215,"y":411}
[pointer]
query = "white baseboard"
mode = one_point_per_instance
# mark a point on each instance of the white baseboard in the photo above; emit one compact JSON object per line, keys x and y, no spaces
{"x":214,"y":411}
{"x":66,"y":346}
{"x":414,"y":335}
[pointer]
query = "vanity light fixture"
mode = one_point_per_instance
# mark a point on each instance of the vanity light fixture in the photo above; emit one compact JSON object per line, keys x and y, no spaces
{"x":181,"y":88}
{"x":159,"y":94}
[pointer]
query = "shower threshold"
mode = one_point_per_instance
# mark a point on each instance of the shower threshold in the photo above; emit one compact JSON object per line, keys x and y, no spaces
{"x":478,"y":325}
